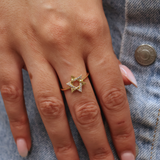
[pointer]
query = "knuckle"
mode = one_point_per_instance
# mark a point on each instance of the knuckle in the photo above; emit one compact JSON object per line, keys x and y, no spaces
{"x":50,"y":108}
{"x":123,"y":135}
{"x":19,"y":122}
{"x":114,"y":99}
{"x":87,"y":113}
{"x":101,"y":153}
{"x":92,"y":26}
{"x":56,"y":33}
{"x":11,"y":92}
{"x":63,"y":149}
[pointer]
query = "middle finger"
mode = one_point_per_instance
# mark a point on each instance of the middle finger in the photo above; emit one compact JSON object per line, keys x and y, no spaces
{"x":85,"y":110}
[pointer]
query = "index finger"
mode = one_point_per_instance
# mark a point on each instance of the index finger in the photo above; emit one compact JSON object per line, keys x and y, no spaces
{"x":107,"y":81}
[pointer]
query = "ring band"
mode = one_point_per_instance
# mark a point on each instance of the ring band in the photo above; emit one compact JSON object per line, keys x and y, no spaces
{"x":71,"y":85}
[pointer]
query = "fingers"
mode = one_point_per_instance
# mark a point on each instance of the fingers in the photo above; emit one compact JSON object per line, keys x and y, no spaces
{"x":108,"y":84}
{"x":127,"y":75}
{"x":85,"y":110}
{"x":51,"y":108}
{"x":11,"y":88}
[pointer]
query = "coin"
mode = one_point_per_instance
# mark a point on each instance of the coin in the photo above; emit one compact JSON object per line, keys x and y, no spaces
{"x":145,"y":54}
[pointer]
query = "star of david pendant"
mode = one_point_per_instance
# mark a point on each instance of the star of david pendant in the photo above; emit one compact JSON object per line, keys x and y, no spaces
{"x":73,"y":87}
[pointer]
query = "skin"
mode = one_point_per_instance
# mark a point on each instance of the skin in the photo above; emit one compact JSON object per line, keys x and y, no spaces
{"x":54,"y":39}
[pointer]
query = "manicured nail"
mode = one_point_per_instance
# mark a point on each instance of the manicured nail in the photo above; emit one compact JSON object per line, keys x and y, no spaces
{"x":127,"y":156}
{"x":128,"y":74}
{"x":22,"y":147}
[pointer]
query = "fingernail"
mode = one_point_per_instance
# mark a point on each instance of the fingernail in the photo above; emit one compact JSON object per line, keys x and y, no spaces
{"x":128,"y":74}
{"x":22,"y":147}
{"x":127,"y":156}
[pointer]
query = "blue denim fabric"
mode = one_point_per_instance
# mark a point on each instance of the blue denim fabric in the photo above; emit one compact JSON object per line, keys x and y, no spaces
{"x":132,"y":23}
{"x":142,"y":27}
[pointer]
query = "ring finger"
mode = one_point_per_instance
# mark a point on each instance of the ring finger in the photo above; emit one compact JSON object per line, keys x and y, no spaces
{"x":85,"y":110}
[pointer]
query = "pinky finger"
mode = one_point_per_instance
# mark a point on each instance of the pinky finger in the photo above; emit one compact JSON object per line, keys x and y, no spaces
{"x":11,"y":88}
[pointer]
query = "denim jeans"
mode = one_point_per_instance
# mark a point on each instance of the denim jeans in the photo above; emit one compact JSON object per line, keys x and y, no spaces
{"x":132,"y":23}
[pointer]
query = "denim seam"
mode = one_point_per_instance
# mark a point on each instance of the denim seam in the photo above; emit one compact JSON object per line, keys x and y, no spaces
{"x":124,"y":32}
{"x":152,"y":153}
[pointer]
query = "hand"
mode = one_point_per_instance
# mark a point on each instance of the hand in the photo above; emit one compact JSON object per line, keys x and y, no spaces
{"x":53,"y":40}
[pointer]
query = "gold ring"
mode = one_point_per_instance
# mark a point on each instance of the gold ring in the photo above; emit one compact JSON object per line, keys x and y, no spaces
{"x":71,"y":85}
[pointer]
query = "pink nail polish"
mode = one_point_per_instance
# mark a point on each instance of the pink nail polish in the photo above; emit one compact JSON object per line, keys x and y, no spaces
{"x":22,"y":147}
{"x":127,"y":156}
{"x":128,"y":74}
